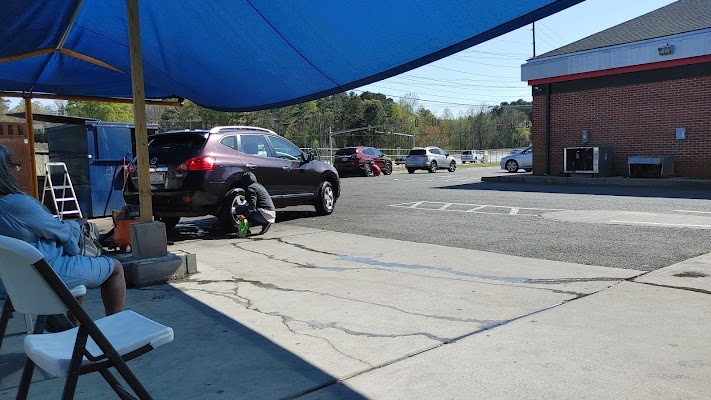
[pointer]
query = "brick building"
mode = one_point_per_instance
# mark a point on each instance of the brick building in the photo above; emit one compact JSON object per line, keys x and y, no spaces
{"x":641,"y":88}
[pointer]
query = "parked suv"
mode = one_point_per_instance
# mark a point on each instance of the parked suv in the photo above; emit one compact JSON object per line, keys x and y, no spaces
{"x":197,"y":172}
{"x":429,"y":158}
{"x":472,"y":156}
{"x":360,"y":159}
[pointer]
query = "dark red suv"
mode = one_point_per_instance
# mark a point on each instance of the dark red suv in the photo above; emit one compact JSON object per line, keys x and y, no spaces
{"x":197,"y":172}
{"x":360,"y":159}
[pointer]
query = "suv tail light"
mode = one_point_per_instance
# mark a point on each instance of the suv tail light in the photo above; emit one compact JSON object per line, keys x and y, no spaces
{"x":204,"y":163}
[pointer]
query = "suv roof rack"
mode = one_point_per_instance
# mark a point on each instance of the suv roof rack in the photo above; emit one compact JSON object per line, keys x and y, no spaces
{"x":220,"y":129}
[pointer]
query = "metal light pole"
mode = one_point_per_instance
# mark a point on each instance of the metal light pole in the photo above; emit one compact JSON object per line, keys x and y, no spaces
{"x":330,"y":143}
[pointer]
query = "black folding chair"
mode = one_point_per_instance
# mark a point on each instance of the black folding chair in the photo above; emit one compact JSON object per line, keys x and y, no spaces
{"x":94,"y":346}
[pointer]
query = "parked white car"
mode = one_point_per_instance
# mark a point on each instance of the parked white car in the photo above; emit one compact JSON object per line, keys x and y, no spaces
{"x":472,"y":156}
{"x":429,"y":158}
{"x":521,"y":160}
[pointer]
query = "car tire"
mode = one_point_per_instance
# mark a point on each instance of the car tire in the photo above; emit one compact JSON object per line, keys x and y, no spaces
{"x":410,"y":171}
{"x":367,"y":169}
{"x":511,"y":166}
{"x":452,"y":167}
{"x":326,"y":201}
{"x":388,"y":169}
{"x":170,"y":222}
{"x":433,"y":167}
{"x":225,"y":214}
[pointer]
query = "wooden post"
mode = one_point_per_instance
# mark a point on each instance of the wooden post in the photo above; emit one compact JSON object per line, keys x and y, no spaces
{"x":31,"y":140}
{"x":139,"y":111}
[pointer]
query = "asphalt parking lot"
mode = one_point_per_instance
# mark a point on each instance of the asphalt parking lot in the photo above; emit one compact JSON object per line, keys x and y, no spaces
{"x":622,"y":227}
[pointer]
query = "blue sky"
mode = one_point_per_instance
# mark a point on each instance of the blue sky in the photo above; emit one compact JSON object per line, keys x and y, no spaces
{"x":489,"y":73}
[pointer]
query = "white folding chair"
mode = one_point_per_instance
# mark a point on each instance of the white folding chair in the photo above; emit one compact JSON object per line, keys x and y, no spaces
{"x":94,"y":346}
{"x":7,"y":311}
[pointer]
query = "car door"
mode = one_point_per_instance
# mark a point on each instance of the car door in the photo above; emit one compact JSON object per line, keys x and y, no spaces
{"x":300,"y":180}
{"x":526,"y":158}
{"x":379,"y":158}
{"x":439,"y":157}
{"x":258,"y":158}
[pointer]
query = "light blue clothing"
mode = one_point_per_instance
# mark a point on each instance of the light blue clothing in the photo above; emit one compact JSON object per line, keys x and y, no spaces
{"x":22,"y":217}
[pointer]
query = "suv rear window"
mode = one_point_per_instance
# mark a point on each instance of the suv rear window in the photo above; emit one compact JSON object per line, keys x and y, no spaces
{"x":346,"y":152}
{"x":418,"y":152}
{"x":466,"y":152}
{"x":186,"y":141}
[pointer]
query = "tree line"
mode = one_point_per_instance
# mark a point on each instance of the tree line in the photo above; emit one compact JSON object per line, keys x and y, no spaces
{"x":307,"y":124}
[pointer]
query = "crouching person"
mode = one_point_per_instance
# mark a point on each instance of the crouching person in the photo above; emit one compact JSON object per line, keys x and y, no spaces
{"x":259,"y":209}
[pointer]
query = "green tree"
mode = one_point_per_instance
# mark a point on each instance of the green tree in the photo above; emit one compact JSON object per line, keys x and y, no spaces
{"x":4,"y":106}
{"x":109,"y":112}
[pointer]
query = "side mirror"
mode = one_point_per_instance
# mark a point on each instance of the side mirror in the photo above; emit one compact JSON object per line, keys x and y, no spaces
{"x":309,"y":157}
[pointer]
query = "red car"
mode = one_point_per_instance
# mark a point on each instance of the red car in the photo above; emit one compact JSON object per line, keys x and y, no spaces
{"x":360,"y":159}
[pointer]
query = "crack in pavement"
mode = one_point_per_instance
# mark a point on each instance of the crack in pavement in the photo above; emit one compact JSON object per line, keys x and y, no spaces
{"x":453,"y":340}
{"x":279,"y":288}
{"x":376,"y":264}
{"x":690,"y":289}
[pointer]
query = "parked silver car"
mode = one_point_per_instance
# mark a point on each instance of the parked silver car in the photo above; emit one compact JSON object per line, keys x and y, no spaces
{"x":521,"y":160}
{"x":429,"y":158}
{"x":472,"y":156}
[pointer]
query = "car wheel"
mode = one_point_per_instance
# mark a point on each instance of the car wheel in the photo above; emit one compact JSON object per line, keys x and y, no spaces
{"x":388,"y":169}
{"x":410,"y":171}
{"x":226,"y":213}
{"x":433,"y":167}
{"x":452,"y":166}
{"x":170,"y":222}
{"x":511,"y":166}
{"x":326,"y":199}
{"x":367,"y":169}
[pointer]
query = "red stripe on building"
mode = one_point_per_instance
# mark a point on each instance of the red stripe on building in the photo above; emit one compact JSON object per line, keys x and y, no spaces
{"x":623,"y":70}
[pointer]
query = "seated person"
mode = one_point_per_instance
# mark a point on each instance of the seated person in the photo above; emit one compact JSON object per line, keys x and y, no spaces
{"x":23,"y":217}
{"x":259,"y":209}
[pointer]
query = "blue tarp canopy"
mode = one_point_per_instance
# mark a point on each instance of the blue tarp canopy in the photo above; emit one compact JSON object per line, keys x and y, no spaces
{"x":241,"y":55}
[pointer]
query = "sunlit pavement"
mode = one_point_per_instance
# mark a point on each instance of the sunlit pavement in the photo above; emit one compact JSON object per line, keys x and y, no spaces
{"x":316,"y":314}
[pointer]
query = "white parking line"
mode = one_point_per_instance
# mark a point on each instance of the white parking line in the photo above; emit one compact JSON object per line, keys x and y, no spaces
{"x":474,"y":208}
{"x":690,"y":211}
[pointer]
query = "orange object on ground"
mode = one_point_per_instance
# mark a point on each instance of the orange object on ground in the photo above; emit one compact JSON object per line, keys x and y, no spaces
{"x":122,"y":227}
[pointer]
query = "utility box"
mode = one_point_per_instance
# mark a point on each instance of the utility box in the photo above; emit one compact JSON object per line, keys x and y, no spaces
{"x":597,"y":161}
{"x":650,"y":167}
{"x":96,"y":154}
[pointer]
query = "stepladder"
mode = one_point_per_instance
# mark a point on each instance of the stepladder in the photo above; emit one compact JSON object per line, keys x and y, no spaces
{"x":58,"y":185}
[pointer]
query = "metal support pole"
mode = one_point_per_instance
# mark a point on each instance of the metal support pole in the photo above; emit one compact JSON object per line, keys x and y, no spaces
{"x":31,"y":143}
{"x":330,"y":142}
{"x":139,"y":111}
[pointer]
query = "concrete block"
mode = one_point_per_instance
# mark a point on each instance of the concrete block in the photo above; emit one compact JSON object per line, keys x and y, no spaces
{"x":153,"y":271}
{"x":190,"y":261}
{"x":148,"y":240}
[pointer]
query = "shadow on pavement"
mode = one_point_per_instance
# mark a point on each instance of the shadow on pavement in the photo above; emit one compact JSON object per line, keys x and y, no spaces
{"x":212,"y":356}
{"x":636,"y":191}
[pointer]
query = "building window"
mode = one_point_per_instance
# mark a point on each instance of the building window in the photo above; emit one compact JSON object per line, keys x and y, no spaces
{"x":2,"y":129}
{"x":20,"y":130}
{"x":9,"y":130}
